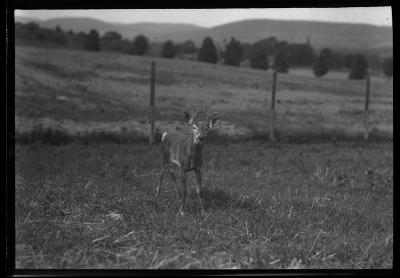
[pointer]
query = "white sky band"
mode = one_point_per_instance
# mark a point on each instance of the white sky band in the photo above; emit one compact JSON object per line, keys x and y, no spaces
{"x":381,"y":16}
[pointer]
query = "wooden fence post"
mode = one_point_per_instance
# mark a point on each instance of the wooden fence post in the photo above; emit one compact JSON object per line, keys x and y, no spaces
{"x":366,"y":127}
{"x":272,"y":111}
{"x":151,"y":115}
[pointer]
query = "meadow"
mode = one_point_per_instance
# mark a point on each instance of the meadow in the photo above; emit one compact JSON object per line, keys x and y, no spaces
{"x":85,"y":176}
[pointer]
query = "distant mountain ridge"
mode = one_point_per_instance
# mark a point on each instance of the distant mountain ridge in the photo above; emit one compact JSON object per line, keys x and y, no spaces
{"x":321,"y":34}
{"x":24,"y":19}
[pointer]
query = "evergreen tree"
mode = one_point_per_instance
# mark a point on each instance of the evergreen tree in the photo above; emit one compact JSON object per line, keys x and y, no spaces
{"x":233,"y":53}
{"x":208,"y":51}
{"x":92,"y":41}
{"x":141,"y":45}
{"x":168,"y":50}
{"x":358,"y":67}
{"x":388,"y":67}
{"x":323,"y":63}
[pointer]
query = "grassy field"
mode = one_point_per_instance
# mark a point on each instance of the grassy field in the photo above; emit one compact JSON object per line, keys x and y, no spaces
{"x":85,"y":179}
{"x":81,"y":91}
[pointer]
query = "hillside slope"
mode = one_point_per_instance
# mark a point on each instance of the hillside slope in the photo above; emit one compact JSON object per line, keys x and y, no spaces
{"x":110,"y":91}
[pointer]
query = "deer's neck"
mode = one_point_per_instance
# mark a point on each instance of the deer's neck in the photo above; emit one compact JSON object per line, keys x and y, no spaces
{"x":196,"y":145}
{"x":196,"y":155}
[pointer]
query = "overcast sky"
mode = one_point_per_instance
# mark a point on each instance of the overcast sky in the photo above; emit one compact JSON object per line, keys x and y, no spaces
{"x":213,"y":17}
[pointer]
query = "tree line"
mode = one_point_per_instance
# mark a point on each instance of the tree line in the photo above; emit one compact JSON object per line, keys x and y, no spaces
{"x":263,"y":54}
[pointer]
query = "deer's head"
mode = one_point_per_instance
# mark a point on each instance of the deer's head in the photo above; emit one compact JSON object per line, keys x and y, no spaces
{"x":200,"y":128}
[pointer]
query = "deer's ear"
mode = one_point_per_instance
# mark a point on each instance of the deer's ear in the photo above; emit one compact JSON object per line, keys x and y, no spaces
{"x":187,"y":116}
{"x":191,"y":117}
{"x":213,"y":122}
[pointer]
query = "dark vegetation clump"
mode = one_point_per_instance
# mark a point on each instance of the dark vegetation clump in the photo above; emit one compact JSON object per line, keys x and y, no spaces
{"x":233,"y":53}
{"x":59,"y":137}
{"x":258,"y":54}
{"x":323,"y":63}
{"x":44,"y":135}
{"x":388,"y":67}
{"x":208,"y":52}
{"x":358,"y":67}
{"x":168,"y":50}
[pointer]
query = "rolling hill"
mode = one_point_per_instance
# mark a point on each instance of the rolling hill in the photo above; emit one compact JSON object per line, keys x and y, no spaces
{"x":81,"y":24}
{"x":321,"y":34}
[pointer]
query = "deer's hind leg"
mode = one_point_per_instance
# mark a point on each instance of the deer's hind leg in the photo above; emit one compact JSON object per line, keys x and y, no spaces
{"x":160,"y":181}
{"x":163,"y":167}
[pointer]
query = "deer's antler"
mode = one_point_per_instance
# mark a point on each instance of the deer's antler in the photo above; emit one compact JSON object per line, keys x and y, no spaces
{"x":212,"y":116}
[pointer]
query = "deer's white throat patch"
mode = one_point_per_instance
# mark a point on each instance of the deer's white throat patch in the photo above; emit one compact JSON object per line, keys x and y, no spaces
{"x":163,"y":136}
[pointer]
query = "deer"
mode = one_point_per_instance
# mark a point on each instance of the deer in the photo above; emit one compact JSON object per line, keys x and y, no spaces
{"x":185,"y":150}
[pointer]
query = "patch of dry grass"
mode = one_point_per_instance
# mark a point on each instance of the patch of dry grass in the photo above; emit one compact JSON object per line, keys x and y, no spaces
{"x":282,"y":206}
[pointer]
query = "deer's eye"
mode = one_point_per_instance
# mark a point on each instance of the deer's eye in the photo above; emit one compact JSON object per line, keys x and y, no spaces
{"x":194,"y":127}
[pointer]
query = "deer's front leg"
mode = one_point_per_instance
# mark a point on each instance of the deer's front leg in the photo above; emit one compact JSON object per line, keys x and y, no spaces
{"x":182,"y":189}
{"x":172,"y":173}
{"x":198,"y":188}
{"x":160,"y":181}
